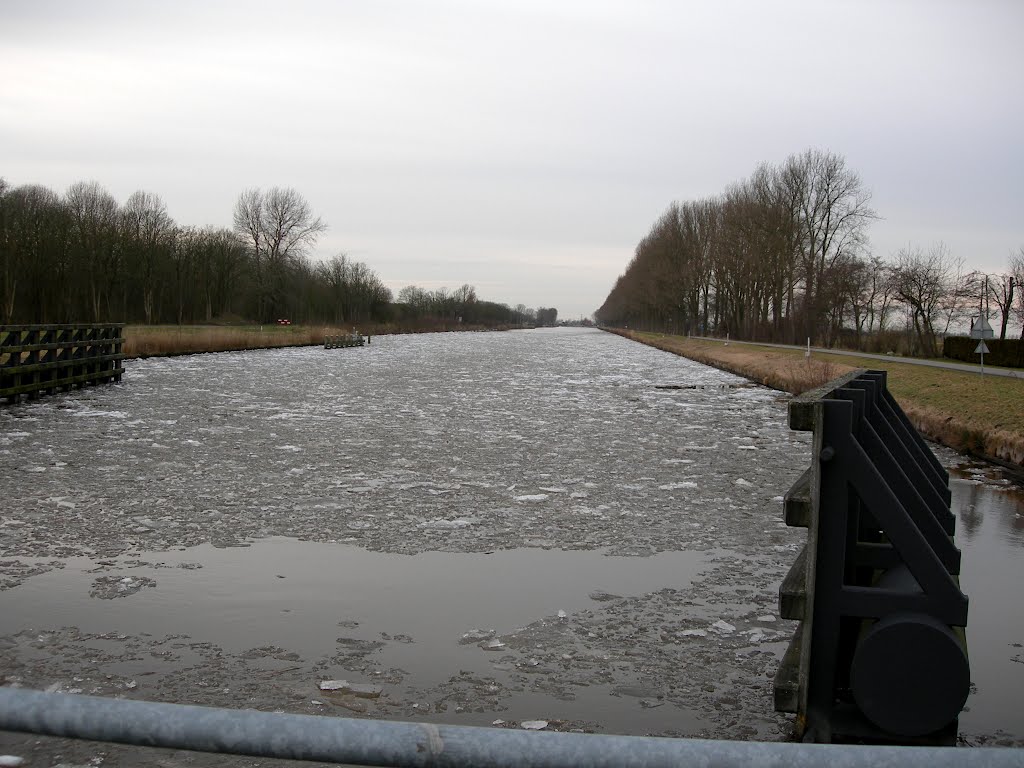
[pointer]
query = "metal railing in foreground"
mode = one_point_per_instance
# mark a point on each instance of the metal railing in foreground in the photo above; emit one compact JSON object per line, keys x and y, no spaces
{"x":376,"y":742}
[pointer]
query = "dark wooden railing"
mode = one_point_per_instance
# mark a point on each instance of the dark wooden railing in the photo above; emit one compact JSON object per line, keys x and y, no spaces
{"x":880,"y":653}
{"x":346,"y":340}
{"x":42,"y":359}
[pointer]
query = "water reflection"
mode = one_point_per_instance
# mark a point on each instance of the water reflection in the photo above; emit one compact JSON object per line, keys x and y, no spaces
{"x":976,"y":498}
{"x":990,"y":534}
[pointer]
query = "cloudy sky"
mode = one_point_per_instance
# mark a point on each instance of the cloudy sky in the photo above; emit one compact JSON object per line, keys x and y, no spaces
{"x":523,"y":147}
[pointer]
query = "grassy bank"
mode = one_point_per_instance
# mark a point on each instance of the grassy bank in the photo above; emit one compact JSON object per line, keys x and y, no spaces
{"x":980,"y":416}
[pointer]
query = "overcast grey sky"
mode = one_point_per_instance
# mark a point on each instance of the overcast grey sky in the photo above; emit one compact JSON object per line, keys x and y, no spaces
{"x":523,"y":147}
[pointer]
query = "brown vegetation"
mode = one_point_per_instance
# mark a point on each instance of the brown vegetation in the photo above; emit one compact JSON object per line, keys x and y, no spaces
{"x":163,"y":340}
{"x":975,"y":415}
{"x":778,"y":369}
{"x":169,"y":340}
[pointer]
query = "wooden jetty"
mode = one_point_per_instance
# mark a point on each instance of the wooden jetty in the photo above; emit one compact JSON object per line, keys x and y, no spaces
{"x":43,"y":359}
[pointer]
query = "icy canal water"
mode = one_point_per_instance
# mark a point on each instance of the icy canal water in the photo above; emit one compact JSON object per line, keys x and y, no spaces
{"x":552,"y":525}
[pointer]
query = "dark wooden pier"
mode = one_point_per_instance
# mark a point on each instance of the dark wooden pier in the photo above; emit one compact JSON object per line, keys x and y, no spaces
{"x":353,"y":339}
{"x":43,"y":359}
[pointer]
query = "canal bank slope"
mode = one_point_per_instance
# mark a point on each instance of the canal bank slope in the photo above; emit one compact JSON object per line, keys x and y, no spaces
{"x":982,"y":417}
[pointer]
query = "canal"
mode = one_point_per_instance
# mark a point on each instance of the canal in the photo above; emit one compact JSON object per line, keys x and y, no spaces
{"x":483,"y":528}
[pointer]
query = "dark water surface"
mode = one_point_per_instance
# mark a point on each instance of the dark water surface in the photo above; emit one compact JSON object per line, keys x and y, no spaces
{"x":556,"y":525}
{"x":990,"y":534}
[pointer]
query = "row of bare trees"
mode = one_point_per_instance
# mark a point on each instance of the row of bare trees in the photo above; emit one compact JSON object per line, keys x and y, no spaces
{"x":82,"y":256}
{"x":783,"y":256}
{"x":450,"y":308}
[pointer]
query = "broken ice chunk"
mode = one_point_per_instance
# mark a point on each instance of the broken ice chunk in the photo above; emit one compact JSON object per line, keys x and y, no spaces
{"x":332,"y":685}
{"x":534,"y":725}
{"x":361,"y":690}
{"x":475,"y":636}
{"x":723,"y":626}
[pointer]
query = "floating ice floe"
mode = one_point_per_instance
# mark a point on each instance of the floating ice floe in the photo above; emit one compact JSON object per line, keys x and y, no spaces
{"x":534,"y":725}
{"x":677,"y":486}
{"x":476,"y":636}
{"x":87,"y":412}
{"x":533,"y":497}
{"x":361,"y":690}
{"x":741,"y":481}
{"x":11,"y":761}
{"x":767,"y":617}
{"x":723,"y":626}
{"x":693,"y":633}
{"x":459,"y":522}
{"x":562,"y":614}
{"x":493,"y":645}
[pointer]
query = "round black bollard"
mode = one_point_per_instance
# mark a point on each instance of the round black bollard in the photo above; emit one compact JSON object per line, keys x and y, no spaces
{"x":910,"y":674}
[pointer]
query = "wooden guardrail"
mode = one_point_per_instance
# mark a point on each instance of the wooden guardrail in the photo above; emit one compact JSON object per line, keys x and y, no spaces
{"x":42,"y":359}
{"x":880,"y":653}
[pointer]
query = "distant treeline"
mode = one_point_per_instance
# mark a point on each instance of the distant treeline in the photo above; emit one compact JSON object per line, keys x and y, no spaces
{"x":82,"y":257}
{"x":783,"y":256}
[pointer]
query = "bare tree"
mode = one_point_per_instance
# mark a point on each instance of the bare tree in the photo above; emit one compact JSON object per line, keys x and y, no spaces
{"x":833,"y":211}
{"x":1017,"y":270}
{"x":9,"y":246}
{"x":924,"y":283}
{"x":148,"y":236}
{"x":278,"y":226}
{"x":1001,"y":289}
{"x":94,"y":216}
{"x":219,"y":263}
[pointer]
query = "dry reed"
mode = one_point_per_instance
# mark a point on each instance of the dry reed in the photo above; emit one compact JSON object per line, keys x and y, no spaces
{"x":158,"y":341}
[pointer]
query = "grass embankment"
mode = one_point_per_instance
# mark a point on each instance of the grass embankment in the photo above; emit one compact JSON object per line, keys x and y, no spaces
{"x":980,"y":416}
